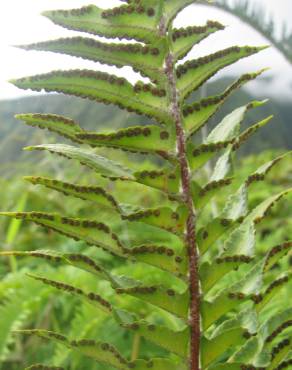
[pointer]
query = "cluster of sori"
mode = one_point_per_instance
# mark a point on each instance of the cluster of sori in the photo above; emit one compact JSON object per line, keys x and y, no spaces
{"x":183,"y":69}
{"x":129,"y":9}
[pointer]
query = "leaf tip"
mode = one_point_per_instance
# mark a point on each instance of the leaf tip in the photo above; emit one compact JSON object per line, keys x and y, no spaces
{"x":13,"y":81}
{"x":263,"y":47}
{"x":6,"y":253}
{"x":28,"y":148}
{"x":32,"y":276}
{"x":20,"y":116}
{"x":265,"y":69}
{"x":9,"y":214}
{"x":47,"y":13}
{"x":24,"y":47}
{"x":24,"y":331}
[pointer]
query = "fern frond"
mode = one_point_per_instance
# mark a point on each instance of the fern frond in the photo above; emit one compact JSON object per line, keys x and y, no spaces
{"x":44,"y":367}
{"x":148,"y":60}
{"x":164,"y":218}
{"x":118,"y":22}
{"x":102,"y":352}
{"x":142,"y":139}
{"x":193,"y":284}
{"x":192,"y":74}
{"x":101,"y":165}
{"x":162,"y":336}
{"x":91,"y":193}
{"x":63,"y":126}
{"x":197,"y":114}
{"x":92,"y":232}
{"x":102,"y":87}
{"x":184,"y":39}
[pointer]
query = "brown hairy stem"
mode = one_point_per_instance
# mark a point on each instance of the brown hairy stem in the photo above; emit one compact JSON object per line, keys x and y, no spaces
{"x":194,"y":285}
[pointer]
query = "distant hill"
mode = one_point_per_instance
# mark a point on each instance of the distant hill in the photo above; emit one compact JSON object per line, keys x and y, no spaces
{"x":14,"y":134}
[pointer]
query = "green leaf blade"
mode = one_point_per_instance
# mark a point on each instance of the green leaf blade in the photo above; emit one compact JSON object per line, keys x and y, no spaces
{"x":193,"y":74}
{"x":43,"y":367}
{"x":210,"y":275}
{"x":205,"y":194}
{"x":197,"y":114}
{"x":101,"y":352}
{"x":90,"y":297}
{"x":91,"y":193}
{"x":162,"y":336}
{"x":279,"y":354}
{"x":165,"y":258}
{"x":90,"y":231}
{"x":145,"y":59}
{"x":212,"y":231}
{"x":95,"y":162}
{"x":167,"y":299}
{"x":215,"y":347}
{"x":276,"y":253}
{"x":101,"y":87}
{"x":162,"y":217}
{"x":165,"y":180}
{"x":184,"y":39}
{"x":144,"y":139}
{"x":94,"y":20}
{"x":159,"y":364}
{"x":63,"y":126}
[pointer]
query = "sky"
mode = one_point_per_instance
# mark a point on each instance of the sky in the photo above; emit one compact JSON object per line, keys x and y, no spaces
{"x":21,"y":23}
